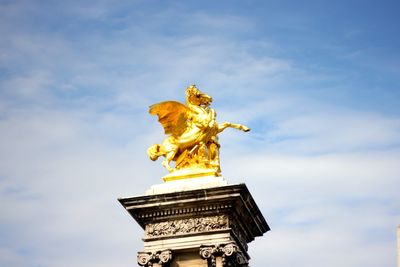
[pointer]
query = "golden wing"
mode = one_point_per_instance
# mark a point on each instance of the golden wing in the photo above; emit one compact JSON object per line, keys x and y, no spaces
{"x":172,"y":115}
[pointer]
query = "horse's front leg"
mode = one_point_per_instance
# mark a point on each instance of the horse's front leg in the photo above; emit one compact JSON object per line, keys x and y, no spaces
{"x":244,"y":128}
{"x":168,"y":158}
{"x":165,"y":163}
{"x":225,"y":125}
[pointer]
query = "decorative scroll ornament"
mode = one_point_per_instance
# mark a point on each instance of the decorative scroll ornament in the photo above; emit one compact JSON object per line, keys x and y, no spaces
{"x":143,"y":258}
{"x":165,"y":256}
{"x":192,"y":142}
{"x":208,"y":253}
{"x":185,"y":226}
{"x":229,"y":249}
{"x":147,"y":259}
{"x":230,"y":253}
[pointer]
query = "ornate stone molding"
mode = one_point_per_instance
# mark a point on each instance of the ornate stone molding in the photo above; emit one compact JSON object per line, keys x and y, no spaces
{"x":147,"y":259}
{"x":177,"y":211}
{"x":186,"y":226}
{"x":230,"y":253}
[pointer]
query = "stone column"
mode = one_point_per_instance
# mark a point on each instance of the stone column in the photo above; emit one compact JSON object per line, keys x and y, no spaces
{"x":223,"y":255}
{"x":207,"y":227}
{"x":398,"y":246}
{"x":159,"y":258}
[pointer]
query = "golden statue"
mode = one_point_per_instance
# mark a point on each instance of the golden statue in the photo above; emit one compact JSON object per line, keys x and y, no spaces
{"x":192,"y":142}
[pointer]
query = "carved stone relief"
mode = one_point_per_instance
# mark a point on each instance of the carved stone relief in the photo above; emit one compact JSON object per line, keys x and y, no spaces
{"x":185,"y":226}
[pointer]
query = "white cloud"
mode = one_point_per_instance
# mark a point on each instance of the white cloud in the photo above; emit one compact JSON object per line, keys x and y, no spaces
{"x":337,"y":132}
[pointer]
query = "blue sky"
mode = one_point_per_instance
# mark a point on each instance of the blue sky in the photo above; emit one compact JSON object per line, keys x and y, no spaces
{"x":317,"y":81}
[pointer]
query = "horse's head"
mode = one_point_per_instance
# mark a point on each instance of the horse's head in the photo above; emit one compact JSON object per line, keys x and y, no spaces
{"x":195,"y":97}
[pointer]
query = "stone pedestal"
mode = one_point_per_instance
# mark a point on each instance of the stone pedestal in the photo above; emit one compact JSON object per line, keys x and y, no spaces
{"x":200,"y":227}
{"x":398,"y":246}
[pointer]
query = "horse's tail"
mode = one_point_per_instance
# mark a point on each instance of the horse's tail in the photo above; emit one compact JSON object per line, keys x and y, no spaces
{"x":153,"y":152}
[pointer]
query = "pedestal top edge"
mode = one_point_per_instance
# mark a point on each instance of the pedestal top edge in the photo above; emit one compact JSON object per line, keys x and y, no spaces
{"x":217,"y":189}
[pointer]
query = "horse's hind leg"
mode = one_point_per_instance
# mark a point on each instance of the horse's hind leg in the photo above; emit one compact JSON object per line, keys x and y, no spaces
{"x":214,"y":155}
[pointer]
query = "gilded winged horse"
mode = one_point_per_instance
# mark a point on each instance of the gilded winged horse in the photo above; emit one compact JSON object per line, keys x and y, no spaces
{"x":192,"y":130}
